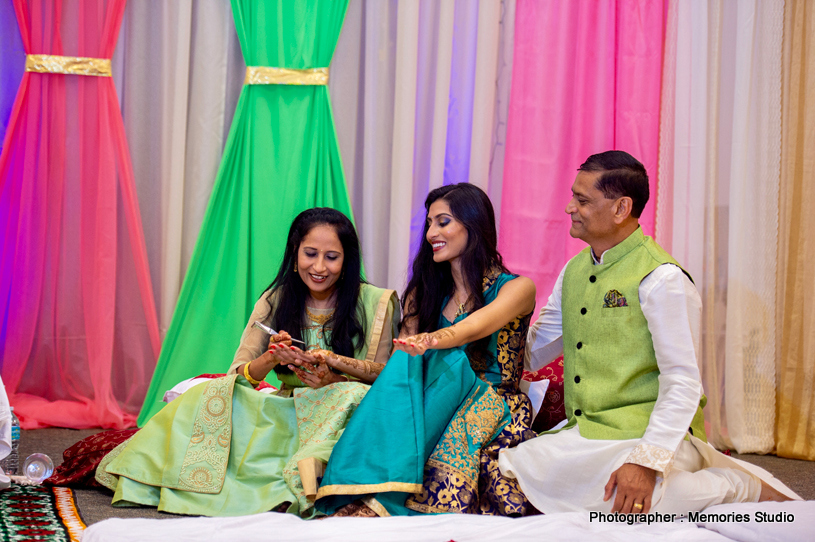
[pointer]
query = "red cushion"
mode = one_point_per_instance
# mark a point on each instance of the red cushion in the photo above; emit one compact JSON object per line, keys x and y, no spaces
{"x":79,"y":462}
{"x":552,"y":410}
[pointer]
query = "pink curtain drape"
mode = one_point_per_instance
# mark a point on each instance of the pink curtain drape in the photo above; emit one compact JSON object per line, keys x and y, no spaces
{"x":78,"y":328}
{"x":586,"y":79}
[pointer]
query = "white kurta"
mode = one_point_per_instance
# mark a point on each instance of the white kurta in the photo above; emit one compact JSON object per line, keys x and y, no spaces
{"x":566,"y":472}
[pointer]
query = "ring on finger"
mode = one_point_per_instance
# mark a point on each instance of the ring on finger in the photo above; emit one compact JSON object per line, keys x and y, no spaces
{"x":638,"y":506}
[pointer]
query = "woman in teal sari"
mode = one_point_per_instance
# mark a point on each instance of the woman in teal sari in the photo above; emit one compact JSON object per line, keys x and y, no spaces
{"x":225,"y":449}
{"x":426,"y":437}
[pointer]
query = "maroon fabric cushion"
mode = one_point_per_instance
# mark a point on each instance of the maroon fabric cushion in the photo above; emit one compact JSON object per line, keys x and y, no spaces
{"x":553,"y":410}
{"x":79,"y":462}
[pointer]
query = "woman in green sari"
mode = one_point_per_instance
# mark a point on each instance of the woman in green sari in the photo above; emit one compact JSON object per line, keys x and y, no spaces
{"x":427,"y":436}
{"x":225,"y":449}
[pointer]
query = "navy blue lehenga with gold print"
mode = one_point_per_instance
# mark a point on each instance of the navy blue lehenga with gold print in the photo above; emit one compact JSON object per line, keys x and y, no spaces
{"x":427,"y":435}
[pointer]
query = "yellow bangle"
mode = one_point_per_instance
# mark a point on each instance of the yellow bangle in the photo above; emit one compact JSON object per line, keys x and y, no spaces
{"x":248,"y":377}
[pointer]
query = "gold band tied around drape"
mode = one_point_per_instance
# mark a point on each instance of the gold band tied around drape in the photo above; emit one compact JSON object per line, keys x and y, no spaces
{"x":69,"y":65}
{"x":265,"y":75}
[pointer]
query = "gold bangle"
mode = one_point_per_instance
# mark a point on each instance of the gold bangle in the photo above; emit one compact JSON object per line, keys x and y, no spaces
{"x":248,"y":377}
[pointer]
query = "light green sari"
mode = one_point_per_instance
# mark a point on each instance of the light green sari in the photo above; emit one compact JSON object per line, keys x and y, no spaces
{"x":224,"y":449}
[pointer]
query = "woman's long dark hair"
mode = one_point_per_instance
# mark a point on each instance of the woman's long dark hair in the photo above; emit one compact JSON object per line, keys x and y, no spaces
{"x":431,"y":283}
{"x":343,"y":330}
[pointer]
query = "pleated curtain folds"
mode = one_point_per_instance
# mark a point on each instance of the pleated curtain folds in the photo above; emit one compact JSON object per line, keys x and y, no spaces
{"x":281,"y":157}
{"x":78,"y":329}
{"x":420,"y":95}
{"x":182,"y":73}
{"x":718,"y":214}
{"x":795,"y":303}
{"x":580,"y":85}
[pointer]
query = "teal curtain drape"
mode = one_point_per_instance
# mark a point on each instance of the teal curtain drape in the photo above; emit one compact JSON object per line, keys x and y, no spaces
{"x":281,"y":157}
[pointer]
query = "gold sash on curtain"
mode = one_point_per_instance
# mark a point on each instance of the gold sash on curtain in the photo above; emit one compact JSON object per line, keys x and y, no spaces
{"x":266,"y":75}
{"x":68,"y":65}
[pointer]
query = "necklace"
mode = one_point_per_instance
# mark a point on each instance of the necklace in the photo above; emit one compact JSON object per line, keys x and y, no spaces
{"x":320,"y":319}
{"x":460,"y":309}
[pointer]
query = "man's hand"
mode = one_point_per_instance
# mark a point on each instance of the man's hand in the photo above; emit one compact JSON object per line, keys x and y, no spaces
{"x":635,"y":486}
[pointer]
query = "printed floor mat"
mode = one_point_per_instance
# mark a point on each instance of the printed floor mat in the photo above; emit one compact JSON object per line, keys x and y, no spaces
{"x":37,"y":513}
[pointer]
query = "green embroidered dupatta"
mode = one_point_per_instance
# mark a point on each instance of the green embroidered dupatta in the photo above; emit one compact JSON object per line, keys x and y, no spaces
{"x":281,"y":157}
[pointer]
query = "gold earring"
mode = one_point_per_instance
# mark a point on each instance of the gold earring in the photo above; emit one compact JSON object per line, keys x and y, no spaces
{"x":295,"y":267}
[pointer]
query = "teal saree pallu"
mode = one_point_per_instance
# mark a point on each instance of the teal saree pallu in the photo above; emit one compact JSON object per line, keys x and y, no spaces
{"x":427,"y":435}
{"x":386,"y":451}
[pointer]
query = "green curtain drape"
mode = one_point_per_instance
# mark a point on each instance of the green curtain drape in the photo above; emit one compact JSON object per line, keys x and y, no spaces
{"x":281,"y":157}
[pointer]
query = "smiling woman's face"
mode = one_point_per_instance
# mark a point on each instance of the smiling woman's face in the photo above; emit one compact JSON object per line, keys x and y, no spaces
{"x":447,"y":235}
{"x":319,"y":260}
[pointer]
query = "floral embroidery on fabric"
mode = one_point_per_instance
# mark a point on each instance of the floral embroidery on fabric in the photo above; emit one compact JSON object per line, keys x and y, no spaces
{"x":553,"y":409}
{"x":103,"y":477}
{"x":502,"y":496}
{"x":205,"y":460}
{"x":322,"y":414}
{"x":653,"y":457}
{"x":445,"y":489}
{"x":462,"y":474}
{"x":511,"y":346}
{"x":614,"y":298}
{"x":451,"y":473}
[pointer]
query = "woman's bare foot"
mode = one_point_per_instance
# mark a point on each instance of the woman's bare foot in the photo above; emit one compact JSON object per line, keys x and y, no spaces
{"x":769,"y":493}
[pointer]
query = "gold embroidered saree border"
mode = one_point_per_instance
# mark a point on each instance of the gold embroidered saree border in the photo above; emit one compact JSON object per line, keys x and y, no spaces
{"x":376,"y":506}
{"x":379,"y":324}
{"x":102,"y":476}
{"x":205,"y":461}
{"x":364,"y":489}
{"x":450,"y":474}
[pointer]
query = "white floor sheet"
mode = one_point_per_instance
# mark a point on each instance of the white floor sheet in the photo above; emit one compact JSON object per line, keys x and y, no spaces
{"x":572,"y":526}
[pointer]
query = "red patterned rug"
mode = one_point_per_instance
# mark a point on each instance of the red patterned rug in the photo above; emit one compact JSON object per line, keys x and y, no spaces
{"x":29,"y":513}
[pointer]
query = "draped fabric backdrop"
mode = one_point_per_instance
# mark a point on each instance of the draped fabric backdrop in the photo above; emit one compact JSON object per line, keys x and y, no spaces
{"x":719,"y":175}
{"x":420,"y":93}
{"x":577,"y":89}
{"x":281,"y":158}
{"x":795,"y":308}
{"x":182,"y":72}
{"x":12,"y":62}
{"x":78,"y":327}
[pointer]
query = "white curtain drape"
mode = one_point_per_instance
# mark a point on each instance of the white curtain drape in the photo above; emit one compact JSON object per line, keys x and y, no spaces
{"x":181,"y":72}
{"x":420,"y":93}
{"x":720,"y":170}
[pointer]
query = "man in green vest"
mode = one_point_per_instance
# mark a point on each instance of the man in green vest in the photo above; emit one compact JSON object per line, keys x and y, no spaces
{"x":626,"y":317}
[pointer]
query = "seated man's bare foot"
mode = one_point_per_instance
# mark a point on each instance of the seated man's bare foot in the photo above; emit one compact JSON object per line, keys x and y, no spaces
{"x":769,"y":493}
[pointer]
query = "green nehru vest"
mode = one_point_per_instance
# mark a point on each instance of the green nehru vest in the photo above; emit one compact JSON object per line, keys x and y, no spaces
{"x":610,"y":369}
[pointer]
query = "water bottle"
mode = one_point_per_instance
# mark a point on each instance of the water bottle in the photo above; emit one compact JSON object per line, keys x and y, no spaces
{"x":12,"y":462}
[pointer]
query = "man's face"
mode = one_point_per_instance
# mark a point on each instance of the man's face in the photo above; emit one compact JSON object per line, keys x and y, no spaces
{"x":592,"y":214}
